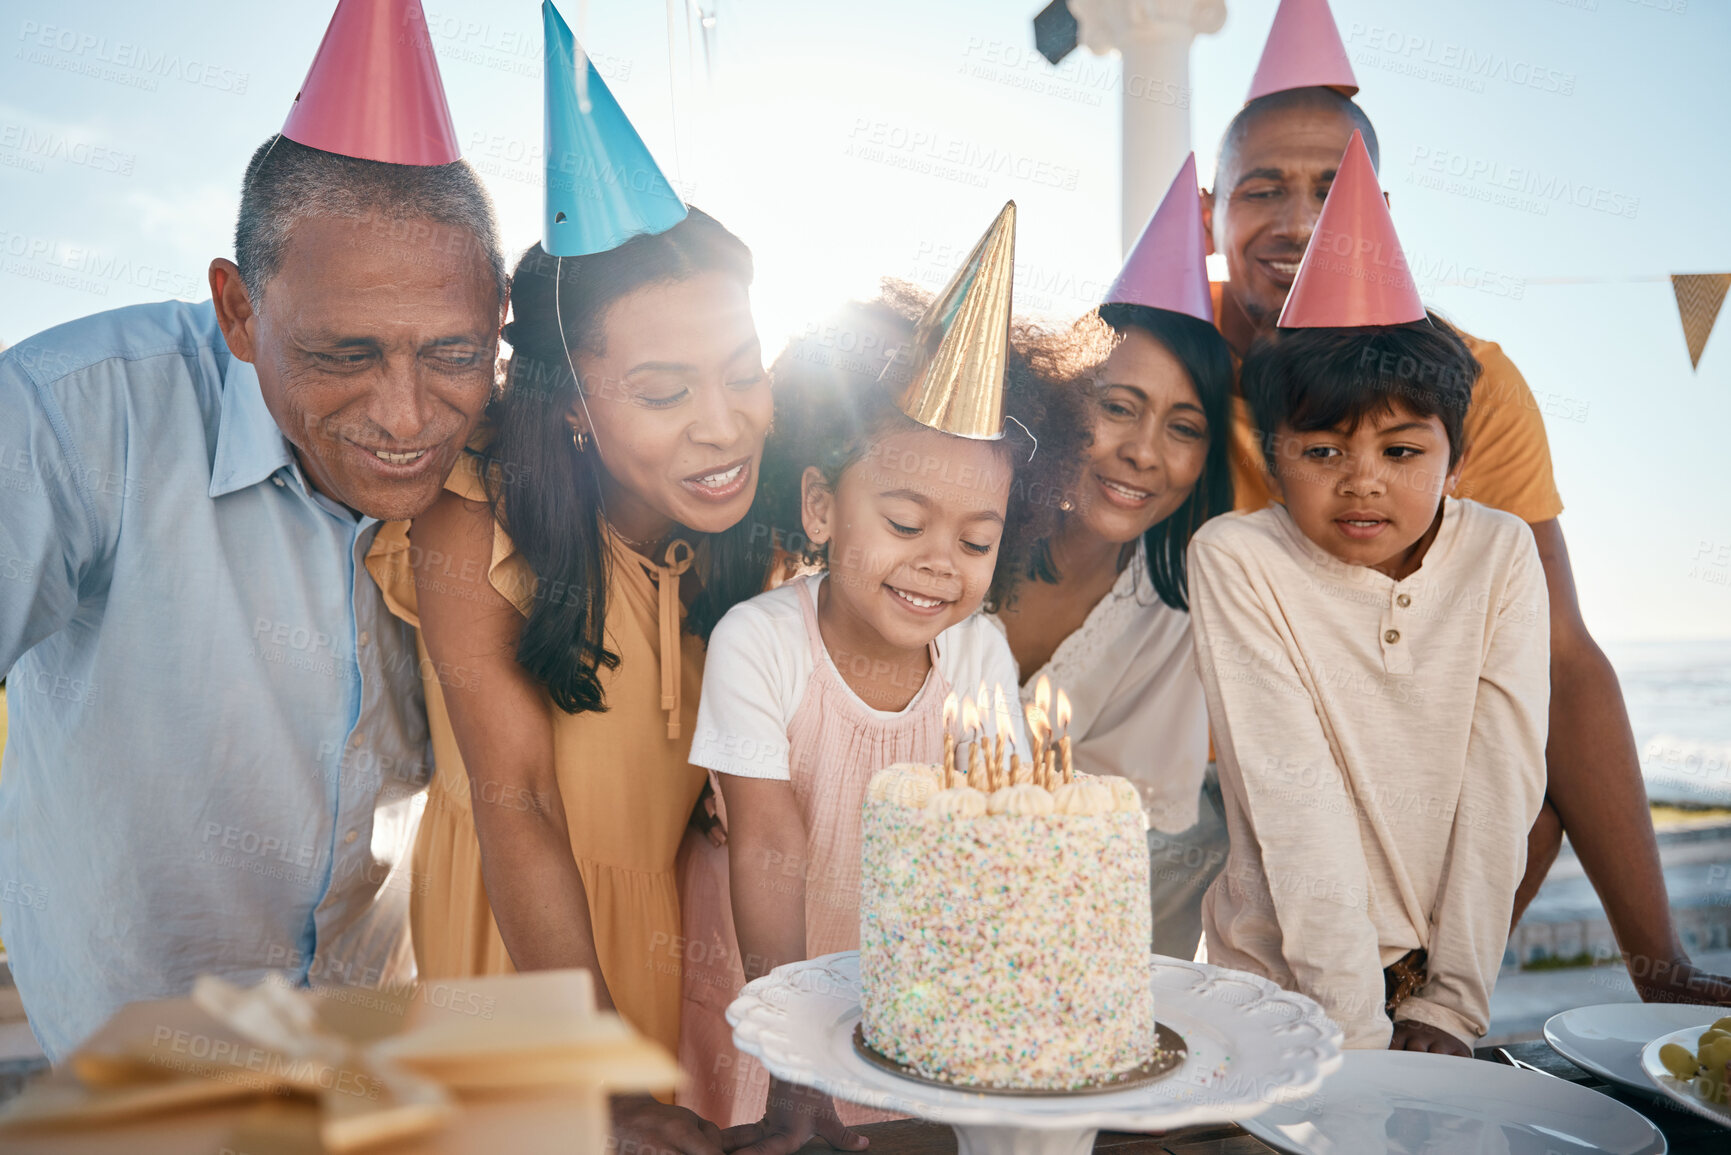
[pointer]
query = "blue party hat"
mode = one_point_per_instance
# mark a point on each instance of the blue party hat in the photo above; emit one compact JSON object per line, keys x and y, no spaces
{"x":603,"y":187}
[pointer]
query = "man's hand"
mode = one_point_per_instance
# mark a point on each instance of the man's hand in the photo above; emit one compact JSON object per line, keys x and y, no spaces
{"x":653,"y":1127}
{"x":1677,"y":980}
{"x":795,"y":1115}
{"x":1411,"y":1036}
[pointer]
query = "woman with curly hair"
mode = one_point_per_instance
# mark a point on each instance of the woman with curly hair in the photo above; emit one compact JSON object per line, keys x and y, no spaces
{"x":1103,"y":613}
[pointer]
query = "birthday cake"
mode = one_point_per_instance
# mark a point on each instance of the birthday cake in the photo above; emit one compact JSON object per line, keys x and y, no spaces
{"x":1004,"y":932}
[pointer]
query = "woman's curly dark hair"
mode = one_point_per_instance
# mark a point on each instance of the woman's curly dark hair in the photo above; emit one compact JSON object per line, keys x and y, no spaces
{"x":831,"y":406}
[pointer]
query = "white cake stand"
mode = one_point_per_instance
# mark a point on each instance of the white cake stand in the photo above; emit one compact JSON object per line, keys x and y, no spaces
{"x":1250,"y":1044}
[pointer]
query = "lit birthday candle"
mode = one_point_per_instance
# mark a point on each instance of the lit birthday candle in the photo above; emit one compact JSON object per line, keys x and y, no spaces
{"x":1005,"y":742}
{"x":973,"y":733}
{"x":950,"y":710}
{"x":1039,"y":729}
{"x":1064,"y":736}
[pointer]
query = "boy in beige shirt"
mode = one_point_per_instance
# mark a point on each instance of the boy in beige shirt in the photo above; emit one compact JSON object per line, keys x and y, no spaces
{"x":1375,"y":656}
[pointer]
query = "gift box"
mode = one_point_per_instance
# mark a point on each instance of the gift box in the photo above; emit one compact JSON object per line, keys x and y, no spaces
{"x":508,"y":1063}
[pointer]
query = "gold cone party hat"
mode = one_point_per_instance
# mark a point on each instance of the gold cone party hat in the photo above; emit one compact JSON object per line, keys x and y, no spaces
{"x":950,"y":374}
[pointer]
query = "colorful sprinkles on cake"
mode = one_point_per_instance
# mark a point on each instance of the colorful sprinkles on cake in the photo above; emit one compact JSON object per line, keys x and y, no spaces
{"x":1008,"y":950}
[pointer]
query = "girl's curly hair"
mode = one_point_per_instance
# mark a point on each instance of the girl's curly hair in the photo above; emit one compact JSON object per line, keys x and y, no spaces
{"x":830,"y":408}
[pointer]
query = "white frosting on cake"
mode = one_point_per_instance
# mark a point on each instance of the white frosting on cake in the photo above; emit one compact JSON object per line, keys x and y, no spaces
{"x":1024,"y":799}
{"x":961,"y":801}
{"x":907,"y":783}
{"x":1007,"y":949}
{"x":1082,"y":797}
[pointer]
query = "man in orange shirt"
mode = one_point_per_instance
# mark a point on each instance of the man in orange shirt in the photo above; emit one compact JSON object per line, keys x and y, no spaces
{"x":1277,"y":161}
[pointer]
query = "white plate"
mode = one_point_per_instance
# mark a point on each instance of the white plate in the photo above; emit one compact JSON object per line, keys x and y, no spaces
{"x":1408,"y":1103}
{"x":1607,"y":1039}
{"x":1671,"y":1085}
{"x":1250,"y":1044}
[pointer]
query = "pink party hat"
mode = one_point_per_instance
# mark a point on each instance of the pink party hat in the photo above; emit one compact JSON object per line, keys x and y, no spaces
{"x":1303,"y":51}
{"x":1168,"y":266}
{"x":373,"y":90}
{"x":1354,"y":272}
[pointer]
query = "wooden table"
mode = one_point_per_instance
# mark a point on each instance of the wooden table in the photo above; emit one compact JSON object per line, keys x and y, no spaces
{"x":1688,"y":1134}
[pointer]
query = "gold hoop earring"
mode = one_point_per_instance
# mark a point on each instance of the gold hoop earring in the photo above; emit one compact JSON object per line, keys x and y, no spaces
{"x":580,"y":439}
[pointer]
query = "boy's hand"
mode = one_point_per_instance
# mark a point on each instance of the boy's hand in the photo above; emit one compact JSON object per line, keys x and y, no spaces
{"x":795,"y":1115}
{"x":1412,"y":1036}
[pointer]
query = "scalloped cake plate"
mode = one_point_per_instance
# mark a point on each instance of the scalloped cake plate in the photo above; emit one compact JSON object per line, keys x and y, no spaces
{"x":1250,"y":1043}
{"x":1412,"y":1101}
{"x":1607,"y":1039}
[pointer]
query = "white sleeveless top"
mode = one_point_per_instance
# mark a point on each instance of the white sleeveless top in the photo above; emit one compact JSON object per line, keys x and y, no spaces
{"x":1138,"y":707}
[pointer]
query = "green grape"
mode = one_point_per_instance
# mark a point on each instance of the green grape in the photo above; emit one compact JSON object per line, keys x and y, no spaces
{"x":1678,"y":1060}
{"x":1714,"y":1055}
{"x":1723,"y":1024}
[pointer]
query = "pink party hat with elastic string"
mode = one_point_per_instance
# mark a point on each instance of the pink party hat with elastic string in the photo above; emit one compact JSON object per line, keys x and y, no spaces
{"x":1303,"y":51}
{"x":1168,"y":266}
{"x":373,"y":91}
{"x":1354,"y":271}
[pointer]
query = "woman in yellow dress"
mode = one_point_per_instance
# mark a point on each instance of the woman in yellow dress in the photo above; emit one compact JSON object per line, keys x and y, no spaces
{"x":562,"y":657}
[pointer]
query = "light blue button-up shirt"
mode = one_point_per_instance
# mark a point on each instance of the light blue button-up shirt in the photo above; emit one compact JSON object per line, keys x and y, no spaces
{"x":217,"y":739}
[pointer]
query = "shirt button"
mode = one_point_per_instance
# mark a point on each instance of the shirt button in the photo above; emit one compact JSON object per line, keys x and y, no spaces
{"x":350,"y":836}
{"x":366,"y":637}
{"x":1403,"y":601}
{"x":277,"y":480}
{"x":357,"y":737}
{"x":1391,"y":637}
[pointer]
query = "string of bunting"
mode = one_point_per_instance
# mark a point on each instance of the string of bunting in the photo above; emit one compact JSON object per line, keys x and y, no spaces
{"x":1700,"y":297}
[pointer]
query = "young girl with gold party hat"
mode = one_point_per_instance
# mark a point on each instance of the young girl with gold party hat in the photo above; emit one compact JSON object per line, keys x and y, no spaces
{"x":902,"y":487}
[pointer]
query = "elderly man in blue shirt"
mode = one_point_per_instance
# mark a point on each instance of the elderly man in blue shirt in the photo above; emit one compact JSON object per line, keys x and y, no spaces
{"x":217,"y":731}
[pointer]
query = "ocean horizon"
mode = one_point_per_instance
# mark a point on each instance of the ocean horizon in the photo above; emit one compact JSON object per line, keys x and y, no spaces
{"x":1679,"y":699}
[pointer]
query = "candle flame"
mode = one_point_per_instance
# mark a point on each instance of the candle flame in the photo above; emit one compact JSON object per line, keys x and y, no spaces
{"x":970,"y":717}
{"x":1037,"y":722}
{"x":950,"y":709}
{"x":1043,"y":694}
{"x":1063,"y":711}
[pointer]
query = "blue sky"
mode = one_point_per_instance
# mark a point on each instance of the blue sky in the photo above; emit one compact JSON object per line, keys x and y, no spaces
{"x":848,"y":141}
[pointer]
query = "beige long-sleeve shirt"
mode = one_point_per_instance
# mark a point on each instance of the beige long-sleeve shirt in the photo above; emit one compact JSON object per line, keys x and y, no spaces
{"x":1381,"y":747}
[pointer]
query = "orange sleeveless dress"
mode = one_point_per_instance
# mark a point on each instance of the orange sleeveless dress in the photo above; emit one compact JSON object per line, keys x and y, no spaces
{"x":627,"y":788}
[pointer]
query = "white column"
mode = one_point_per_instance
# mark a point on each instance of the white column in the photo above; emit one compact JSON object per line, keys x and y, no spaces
{"x":1153,"y":37}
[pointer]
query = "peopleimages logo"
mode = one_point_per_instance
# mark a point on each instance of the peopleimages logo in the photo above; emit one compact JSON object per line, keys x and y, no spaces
{"x":1459,"y":65}
{"x":121,"y":61}
{"x":921,"y":149}
{"x":1432,"y":164}
{"x":45,"y":259}
{"x":37,"y":146}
